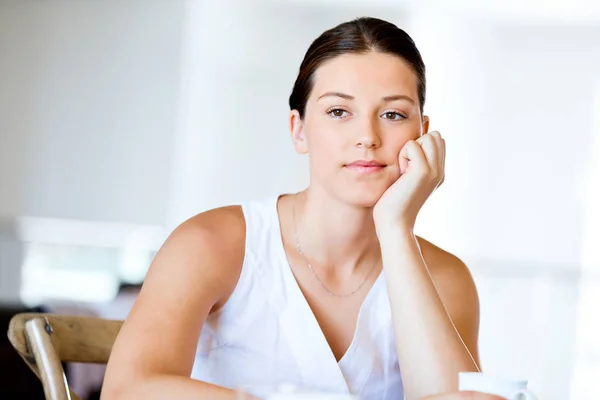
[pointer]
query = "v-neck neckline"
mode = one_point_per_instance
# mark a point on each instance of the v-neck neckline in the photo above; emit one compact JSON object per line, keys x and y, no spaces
{"x":302,"y":304}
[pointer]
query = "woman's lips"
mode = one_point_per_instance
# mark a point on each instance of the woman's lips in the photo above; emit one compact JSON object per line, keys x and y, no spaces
{"x":365,"y":166}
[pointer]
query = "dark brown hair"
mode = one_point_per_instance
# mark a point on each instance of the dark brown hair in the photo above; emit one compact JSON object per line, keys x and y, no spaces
{"x":360,"y":35}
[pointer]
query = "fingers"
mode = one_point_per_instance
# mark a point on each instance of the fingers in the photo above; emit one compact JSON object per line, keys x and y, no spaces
{"x":434,"y":150}
{"x":430,"y":147}
{"x":443,"y":166}
{"x":427,"y":154}
{"x":434,"y":147}
{"x":441,"y":159}
{"x":412,"y":152}
{"x":441,"y":148}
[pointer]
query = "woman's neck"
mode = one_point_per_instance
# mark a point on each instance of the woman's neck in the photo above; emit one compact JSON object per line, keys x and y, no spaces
{"x":333,"y":234}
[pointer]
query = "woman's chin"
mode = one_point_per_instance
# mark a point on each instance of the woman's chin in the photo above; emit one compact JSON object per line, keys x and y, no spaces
{"x":362,"y":197}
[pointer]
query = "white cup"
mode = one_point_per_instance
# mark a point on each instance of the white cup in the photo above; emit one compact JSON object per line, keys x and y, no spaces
{"x":486,"y":383}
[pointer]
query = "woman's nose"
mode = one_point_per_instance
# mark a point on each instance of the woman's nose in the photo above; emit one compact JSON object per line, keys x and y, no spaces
{"x":369,"y":137}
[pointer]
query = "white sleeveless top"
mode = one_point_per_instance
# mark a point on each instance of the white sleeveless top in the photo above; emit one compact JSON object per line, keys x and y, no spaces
{"x":266,"y":333}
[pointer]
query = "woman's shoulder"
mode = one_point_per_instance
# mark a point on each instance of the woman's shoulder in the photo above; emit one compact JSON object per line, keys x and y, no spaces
{"x":452,"y":277}
{"x":213,"y":240}
{"x":216,"y":229}
{"x":440,"y":261}
{"x":229,"y":221}
{"x":222,"y":232}
{"x":203,"y":255}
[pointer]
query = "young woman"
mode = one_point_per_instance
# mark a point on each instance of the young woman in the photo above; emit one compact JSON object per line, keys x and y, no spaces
{"x":329,"y":288}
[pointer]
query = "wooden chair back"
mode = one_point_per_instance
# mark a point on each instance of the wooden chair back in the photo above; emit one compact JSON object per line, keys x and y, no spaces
{"x":44,"y":341}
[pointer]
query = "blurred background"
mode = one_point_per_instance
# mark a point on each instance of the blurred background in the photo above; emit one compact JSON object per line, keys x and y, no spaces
{"x":119,"y":119}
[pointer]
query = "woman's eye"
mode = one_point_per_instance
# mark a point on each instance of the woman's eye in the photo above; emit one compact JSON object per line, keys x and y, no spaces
{"x":393,"y":115}
{"x":337,"y":113}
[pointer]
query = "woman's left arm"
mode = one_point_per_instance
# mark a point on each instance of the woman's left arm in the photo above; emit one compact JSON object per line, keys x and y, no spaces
{"x":435,"y":309}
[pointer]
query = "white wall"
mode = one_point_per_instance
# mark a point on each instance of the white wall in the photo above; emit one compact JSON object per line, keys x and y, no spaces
{"x":535,"y":155}
{"x":88,"y":94}
{"x":11,"y":259}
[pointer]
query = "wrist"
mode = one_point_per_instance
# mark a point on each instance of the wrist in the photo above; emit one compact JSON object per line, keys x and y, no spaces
{"x":392,"y":224}
{"x":395,"y":233}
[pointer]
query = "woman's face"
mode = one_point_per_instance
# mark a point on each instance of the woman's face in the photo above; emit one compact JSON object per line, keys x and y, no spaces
{"x":363,"y":108}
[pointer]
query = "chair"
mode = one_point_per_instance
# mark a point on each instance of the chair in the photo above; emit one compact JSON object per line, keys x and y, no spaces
{"x":16,"y":379}
{"x":46,"y":340}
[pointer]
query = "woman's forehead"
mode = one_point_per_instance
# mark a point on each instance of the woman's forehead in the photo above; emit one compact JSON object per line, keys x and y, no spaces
{"x":365,"y":73}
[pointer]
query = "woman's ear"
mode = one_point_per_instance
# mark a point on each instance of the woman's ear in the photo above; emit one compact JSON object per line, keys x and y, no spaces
{"x":425,"y":126}
{"x":297,"y":132}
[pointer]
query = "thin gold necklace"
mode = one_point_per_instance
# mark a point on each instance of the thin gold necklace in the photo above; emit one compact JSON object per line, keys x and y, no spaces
{"x":299,"y":249}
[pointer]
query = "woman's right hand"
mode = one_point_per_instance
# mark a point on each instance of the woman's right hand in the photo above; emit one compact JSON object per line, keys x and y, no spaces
{"x":464,"y":396}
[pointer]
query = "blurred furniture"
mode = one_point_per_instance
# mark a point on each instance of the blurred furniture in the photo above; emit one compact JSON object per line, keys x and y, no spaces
{"x":44,"y":341}
{"x":16,"y":379}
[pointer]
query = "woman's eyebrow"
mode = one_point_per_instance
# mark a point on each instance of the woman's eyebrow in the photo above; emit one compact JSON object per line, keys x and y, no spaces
{"x":398,"y":97}
{"x":336,"y":94}
{"x":385,"y":98}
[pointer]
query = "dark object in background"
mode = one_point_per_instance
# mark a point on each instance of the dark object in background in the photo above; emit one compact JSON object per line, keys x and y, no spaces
{"x":17,"y":381}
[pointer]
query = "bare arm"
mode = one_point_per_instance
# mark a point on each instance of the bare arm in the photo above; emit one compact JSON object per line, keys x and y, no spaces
{"x":429,"y":343}
{"x":435,"y":315}
{"x":193,"y":273}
